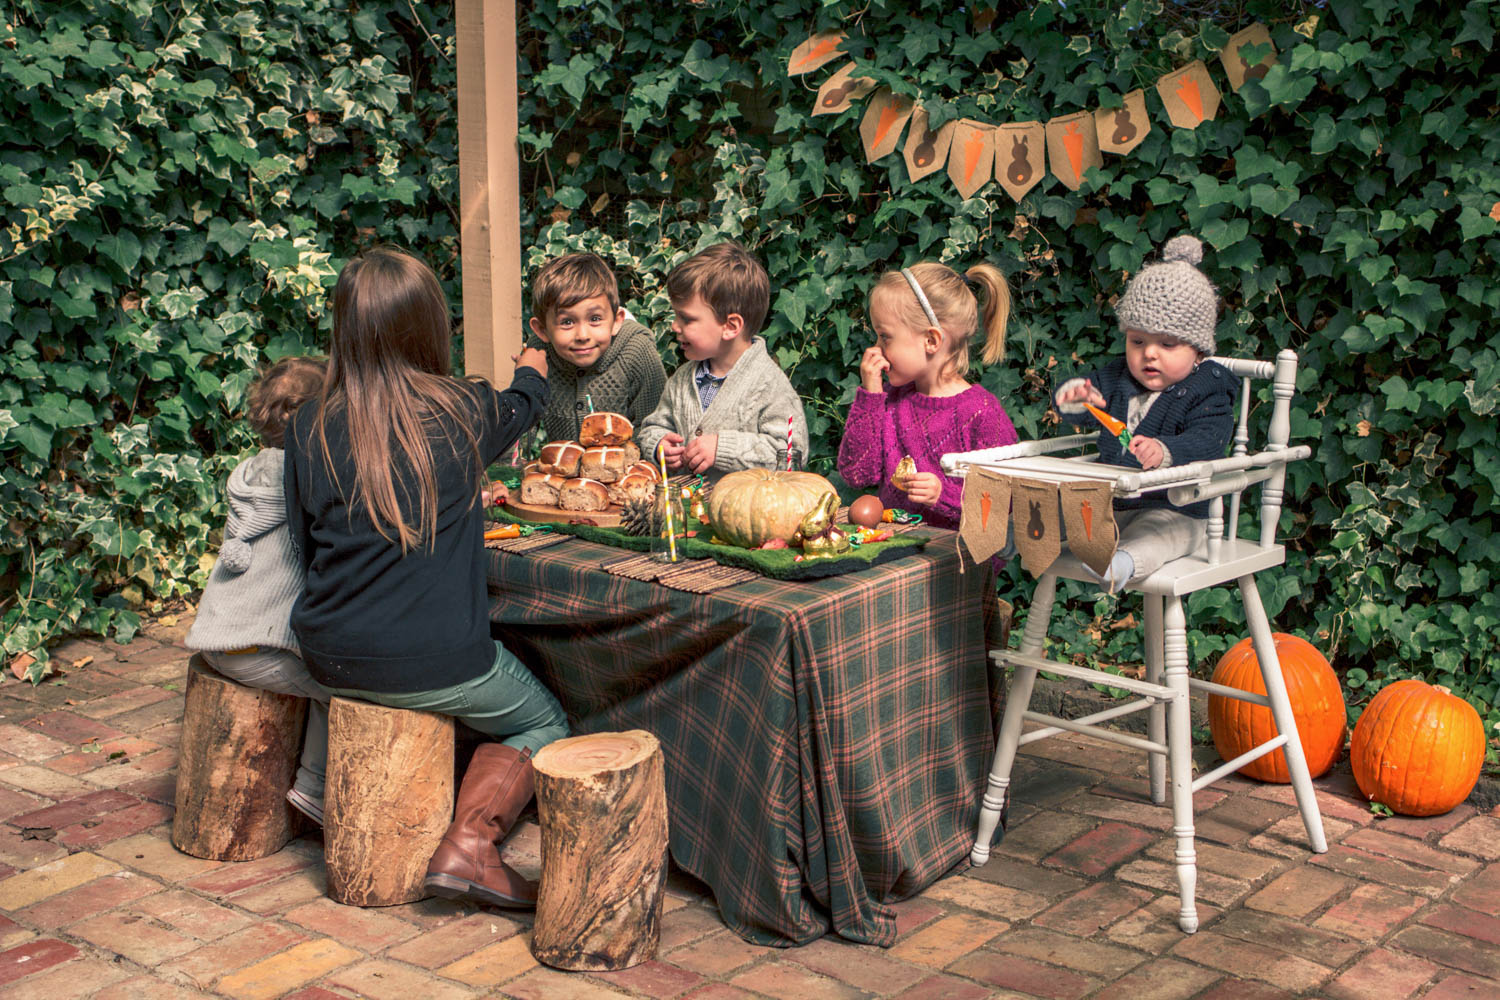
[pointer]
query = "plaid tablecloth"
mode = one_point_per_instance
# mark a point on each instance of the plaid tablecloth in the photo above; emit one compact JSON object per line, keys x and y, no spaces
{"x":825,"y":741}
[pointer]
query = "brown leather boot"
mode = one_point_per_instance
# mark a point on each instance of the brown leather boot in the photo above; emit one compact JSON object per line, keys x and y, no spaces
{"x":496,"y":787}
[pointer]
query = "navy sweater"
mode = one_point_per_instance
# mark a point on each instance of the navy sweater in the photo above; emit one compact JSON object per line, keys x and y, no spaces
{"x":1194,"y":419}
{"x":370,"y":617}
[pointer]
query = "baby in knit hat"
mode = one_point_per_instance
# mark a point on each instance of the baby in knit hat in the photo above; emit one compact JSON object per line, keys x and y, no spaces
{"x":243,"y":626}
{"x":1177,"y":405}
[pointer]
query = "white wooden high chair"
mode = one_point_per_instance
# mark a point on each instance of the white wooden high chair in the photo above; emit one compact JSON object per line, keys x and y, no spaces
{"x":1165,"y":692}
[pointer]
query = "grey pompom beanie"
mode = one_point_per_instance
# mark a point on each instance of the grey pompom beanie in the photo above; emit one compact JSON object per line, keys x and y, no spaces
{"x":1173,"y":298}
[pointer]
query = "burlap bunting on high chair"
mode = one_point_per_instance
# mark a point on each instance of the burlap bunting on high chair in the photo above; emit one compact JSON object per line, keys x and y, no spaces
{"x":1089,"y":515}
{"x":985,"y":522}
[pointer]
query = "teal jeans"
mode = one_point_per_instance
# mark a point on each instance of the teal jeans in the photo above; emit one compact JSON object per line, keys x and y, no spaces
{"x":506,"y":702}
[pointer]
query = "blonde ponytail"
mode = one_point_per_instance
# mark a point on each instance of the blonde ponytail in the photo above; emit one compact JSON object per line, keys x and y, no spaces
{"x":996,"y":312}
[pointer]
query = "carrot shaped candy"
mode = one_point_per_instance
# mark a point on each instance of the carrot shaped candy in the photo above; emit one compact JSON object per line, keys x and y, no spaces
{"x":1111,"y":424}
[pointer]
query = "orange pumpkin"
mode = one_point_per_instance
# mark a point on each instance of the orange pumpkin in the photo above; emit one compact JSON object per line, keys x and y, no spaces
{"x":1317,"y":700}
{"x":1417,"y":749}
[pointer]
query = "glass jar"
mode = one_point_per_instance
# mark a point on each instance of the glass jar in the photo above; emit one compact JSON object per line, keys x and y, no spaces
{"x":669,"y":523}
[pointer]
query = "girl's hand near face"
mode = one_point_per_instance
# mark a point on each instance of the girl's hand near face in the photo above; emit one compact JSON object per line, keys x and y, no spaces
{"x":1147,"y":451}
{"x":872,"y":369}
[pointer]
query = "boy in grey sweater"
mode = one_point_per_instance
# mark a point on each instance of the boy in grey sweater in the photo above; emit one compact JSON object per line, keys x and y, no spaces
{"x":727,"y":407}
{"x":243,"y":627}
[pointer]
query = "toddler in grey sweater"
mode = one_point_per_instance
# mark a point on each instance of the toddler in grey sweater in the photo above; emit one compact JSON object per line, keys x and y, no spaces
{"x":243,"y":627}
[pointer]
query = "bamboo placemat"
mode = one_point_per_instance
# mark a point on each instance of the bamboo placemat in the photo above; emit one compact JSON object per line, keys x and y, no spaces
{"x":638,"y":567}
{"x":704,"y":576}
{"x":695,"y":576}
{"x":526,"y":543}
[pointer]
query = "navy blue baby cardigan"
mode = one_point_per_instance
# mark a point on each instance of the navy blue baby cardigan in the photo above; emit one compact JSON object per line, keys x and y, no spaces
{"x":1193,"y":419}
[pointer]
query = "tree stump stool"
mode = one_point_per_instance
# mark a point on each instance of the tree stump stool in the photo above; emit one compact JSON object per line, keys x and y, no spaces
{"x":237,"y":759}
{"x":602,"y":804}
{"x":388,"y":801}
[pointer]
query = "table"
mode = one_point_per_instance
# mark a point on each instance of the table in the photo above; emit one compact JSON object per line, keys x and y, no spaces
{"x":826,"y":741}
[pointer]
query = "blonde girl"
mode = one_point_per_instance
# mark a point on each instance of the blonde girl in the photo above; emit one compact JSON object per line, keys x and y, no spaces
{"x":383,"y":476}
{"x":914,"y":397}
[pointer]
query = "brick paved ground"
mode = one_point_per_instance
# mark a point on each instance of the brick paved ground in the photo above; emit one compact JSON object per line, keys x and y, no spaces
{"x":1078,"y":902}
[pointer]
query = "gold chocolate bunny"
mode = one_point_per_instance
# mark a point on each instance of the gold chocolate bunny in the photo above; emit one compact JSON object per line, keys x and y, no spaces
{"x":818,"y":534}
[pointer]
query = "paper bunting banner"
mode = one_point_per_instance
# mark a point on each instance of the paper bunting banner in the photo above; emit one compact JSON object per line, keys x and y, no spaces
{"x":1122,"y":129}
{"x":971,"y":158}
{"x":1072,"y":148}
{"x":815,"y":53}
{"x":1089,"y":515}
{"x":842,"y":89}
{"x":1020,"y":157}
{"x":926,"y":152}
{"x":1033,"y":514}
{"x":1237,"y":66}
{"x":985,"y":520}
{"x":1189,"y":95}
{"x":884,"y":119}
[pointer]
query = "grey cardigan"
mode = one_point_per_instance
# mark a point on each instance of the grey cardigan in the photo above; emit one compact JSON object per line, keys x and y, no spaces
{"x":749,"y":414}
{"x":250,"y":592}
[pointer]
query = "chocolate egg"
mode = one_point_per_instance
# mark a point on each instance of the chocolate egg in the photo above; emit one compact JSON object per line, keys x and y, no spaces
{"x":866,"y":511}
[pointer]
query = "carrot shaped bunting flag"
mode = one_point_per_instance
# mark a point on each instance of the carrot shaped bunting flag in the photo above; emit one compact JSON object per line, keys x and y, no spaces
{"x":1088,"y":514}
{"x":816,"y":52}
{"x":1073,"y":147}
{"x":984,"y":521}
{"x":1189,"y":95}
{"x":885,"y":117}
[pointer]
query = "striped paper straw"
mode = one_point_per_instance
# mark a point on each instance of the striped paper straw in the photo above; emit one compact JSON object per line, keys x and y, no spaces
{"x":661,"y":454}
{"x":789,"y":444}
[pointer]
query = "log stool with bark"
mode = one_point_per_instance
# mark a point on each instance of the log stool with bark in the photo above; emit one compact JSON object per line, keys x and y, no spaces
{"x":237,"y":760}
{"x":602,"y":805}
{"x":388,"y":801}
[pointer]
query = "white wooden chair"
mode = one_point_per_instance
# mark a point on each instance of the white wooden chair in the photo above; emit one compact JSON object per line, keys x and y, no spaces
{"x":1165,"y":692}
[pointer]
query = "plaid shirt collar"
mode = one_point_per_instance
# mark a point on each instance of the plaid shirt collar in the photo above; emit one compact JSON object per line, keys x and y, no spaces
{"x":708,"y":384}
{"x":703,"y":376}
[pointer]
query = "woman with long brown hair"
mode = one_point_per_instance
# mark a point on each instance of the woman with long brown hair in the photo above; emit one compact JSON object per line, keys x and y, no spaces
{"x":383,"y":478}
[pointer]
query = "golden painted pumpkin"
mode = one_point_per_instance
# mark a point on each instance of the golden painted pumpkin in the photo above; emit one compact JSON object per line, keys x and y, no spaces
{"x":1317,"y":700}
{"x":750,"y":507}
{"x":1417,"y":749}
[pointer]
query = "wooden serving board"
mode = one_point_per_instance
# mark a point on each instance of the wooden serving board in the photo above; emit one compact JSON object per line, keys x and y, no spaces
{"x":609,"y":517}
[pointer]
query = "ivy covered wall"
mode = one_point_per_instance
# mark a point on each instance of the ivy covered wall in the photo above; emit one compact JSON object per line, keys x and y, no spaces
{"x":179,"y":189}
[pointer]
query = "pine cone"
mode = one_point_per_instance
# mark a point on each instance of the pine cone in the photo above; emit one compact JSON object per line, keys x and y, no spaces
{"x":639,"y":517}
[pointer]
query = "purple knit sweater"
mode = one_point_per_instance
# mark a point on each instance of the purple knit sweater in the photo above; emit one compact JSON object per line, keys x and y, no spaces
{"x":884,"y":426}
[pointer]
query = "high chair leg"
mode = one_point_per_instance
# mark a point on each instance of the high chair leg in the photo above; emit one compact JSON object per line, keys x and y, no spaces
{"x":1180,"y":760}
{"x":1017,"y":697}
{"x":1156,"y":715}
{"x":1281,"y":711}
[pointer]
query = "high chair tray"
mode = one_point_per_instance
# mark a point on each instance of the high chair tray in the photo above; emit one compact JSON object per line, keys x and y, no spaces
{"x":1051,"y":469}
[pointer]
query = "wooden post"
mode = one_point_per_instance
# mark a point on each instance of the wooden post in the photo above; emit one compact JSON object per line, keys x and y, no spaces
{"x":389,"y":800}
{"x":489,"y":182}
{"x":238,"y":757}
{"x":602,"y":803}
